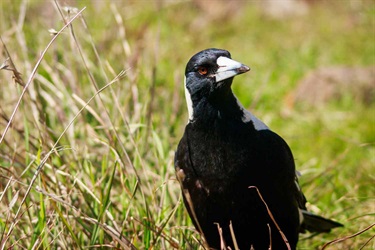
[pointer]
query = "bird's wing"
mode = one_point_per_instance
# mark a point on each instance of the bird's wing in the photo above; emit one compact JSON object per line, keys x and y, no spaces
{"x":186,"y":177}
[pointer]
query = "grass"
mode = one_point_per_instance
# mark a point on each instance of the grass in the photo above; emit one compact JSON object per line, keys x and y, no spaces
{"x":87,"y":161}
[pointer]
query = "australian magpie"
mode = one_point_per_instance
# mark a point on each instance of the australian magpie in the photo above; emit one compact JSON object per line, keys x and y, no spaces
{"x":238,"y":178}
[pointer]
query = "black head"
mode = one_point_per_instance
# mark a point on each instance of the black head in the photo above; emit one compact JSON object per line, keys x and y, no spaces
{"x":209,"y":75}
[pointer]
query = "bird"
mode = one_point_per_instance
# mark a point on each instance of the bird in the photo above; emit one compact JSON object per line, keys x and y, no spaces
{"x":238,"y":177}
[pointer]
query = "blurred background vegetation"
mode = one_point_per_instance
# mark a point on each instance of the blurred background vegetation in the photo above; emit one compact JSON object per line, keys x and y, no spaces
{"x":87,"y":159}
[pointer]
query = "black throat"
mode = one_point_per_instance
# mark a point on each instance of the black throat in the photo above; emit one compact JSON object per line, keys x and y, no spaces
{"x":221,"y":105}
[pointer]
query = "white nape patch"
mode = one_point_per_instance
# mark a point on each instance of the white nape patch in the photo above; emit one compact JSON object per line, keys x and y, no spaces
{"x":248,"y":116}
{"x":227,"y":68}
{"x":189,"y":102}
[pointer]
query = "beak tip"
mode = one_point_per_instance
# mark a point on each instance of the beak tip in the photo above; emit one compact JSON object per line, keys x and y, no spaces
{"x":243,"y":69}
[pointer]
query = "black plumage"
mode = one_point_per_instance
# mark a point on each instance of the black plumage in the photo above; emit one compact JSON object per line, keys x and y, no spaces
{"x":224,"y":151}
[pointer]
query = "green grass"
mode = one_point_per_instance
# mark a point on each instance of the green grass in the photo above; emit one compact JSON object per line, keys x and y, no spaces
{"x":105,"y":174}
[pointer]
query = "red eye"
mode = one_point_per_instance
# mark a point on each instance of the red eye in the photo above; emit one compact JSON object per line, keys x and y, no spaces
{"x":202,"y":70}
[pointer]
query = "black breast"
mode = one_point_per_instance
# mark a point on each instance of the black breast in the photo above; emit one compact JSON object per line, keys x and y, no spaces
{"x":220,"y":162}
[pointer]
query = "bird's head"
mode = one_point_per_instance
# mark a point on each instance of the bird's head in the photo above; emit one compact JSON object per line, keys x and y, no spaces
{"x":209,"y":75}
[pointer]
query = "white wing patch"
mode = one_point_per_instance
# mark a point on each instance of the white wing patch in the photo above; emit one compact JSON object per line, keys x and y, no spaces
{"x":189,"y":102}
{"x":248,"y":116}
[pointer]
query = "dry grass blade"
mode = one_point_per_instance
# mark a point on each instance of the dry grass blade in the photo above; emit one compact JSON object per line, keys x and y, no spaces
{"x":370,"y":239}
{"x":10,"y":181}
{"x":222,"y":241}
{"x":272,"y":218}
{"x":34,"y":72}
{"x":270,"y":234}
{"x":233,"y":236}
{"x":125,"y":243}
{"x":9,"y":65}
{"x":349,"y":237}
